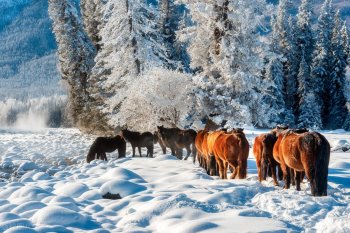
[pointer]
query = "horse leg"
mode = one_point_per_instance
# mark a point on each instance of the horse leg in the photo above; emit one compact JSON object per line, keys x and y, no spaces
{"x":194,"y":152}
{"x":139,"y":150}
{"x":133,"y":151}
{"x":280,"y":172}
{"x":173,"y":151}
{"x":273,"y":173}
{"x":212,"y":166}
{"x":292,"y":175}
{"x":287,"y":178}
{"x":297,"y":179}
{"x":258,"y":166}
{"x":225,"y":170}
{"x":104,"y":156}
{"x":188,"y":149}
{"x":179,"y":153}
{"x":220,"y":164}
{"x":150,"y":153}
{"x":235,"y":165}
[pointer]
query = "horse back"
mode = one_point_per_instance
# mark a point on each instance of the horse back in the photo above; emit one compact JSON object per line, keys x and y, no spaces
{"x":212,"y":136}
{"x":258,"y":146}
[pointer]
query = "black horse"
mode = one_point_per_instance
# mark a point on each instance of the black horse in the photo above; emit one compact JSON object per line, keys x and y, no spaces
{"x":139,"y":140}
{"x":177,"y":139}
{"x":102,"y":145}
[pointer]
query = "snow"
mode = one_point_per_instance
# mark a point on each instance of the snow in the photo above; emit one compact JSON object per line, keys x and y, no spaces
{"x":47,"y":186}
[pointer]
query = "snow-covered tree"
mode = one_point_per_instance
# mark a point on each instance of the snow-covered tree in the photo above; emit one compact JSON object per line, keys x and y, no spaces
{"x":91,"y":12}
{"x":276,"y":111}
{"x":309,"y":113}
{"x":227,"y":50}
{"x":346,"y":124}
{"x":322,"y":61}
{"x":158,"y":97}
{"x":129,"y":47}
{"x":285,"y":45}
{"x":76,"y":55}
{"x":304,"y":34}
{"x":336,"y":108}
{"x":171,"y":18}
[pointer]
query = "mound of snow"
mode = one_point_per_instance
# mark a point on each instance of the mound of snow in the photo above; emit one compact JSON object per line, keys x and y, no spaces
{"x":121,"y":173}
{"x":122,"y":187}
{"x":27,"y":166}
{"x":71,"y":189}
{"x":56,"y":215}
{"x":31,"y":205}
{"x":15,"y":223}
{"x":165,"y":157}
{"x":8,"y":216}
{"x":20,"y":229}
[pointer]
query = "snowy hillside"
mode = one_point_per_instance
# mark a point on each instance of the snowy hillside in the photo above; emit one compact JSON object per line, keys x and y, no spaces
{"x":28,"y":64}
{"x":54,"y":189}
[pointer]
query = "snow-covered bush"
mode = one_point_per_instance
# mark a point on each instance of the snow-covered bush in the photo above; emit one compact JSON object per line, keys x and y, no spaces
{"x":158,"y":97}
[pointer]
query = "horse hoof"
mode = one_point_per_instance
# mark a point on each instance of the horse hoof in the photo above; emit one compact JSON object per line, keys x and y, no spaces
{"x":276,"y":184}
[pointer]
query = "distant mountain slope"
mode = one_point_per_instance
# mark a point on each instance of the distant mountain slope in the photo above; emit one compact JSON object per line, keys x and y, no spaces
{"x":29,"y":80}
{"x":27,"y":47}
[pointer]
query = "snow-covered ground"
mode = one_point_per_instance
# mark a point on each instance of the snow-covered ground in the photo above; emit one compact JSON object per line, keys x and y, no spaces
{"x":46,"y":186}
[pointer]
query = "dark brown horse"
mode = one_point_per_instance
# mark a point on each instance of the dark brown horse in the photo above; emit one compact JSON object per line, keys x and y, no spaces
{"x":309,"y":152}
{"x":263,"y":152}
{"x":177,"y":139}
{"x":231,"y":149}
{"x":102,"y":145}
{"x":139,"y":140}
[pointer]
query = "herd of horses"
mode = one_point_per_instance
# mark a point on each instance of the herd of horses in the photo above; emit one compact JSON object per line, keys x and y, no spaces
{"x":283,"y":153}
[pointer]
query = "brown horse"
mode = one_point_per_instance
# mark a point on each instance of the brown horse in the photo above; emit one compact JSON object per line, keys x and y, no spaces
{"x":198,"y":143}
{"x":101,"y":145}
{"x":263,"y":152}
{"x":309,"y":152}
{"x":177,"y":139}
{"x":139,"y":140}
{"x":231,"y":149}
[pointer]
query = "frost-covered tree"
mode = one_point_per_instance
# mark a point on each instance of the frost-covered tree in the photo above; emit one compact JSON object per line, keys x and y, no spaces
{"x":336,"y":108}
{"x":276,"y":111}
{"x":171,"y":19}
{"x":309,"y":113}
{"x":322,"y":61}
{"x":91,"y":12}
{"x":76,"y":55}
{"x":285,"y":43}
{"x":346,"y":124}
{"x":304,"y":34}
{"x":129,"y":47}
{"x":158,"y":97}
{"x":276,"y":72}
{"x":227,"y":50}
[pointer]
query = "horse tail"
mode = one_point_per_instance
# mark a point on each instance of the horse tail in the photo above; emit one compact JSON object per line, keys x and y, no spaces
{"x":264,"y":161}
{"x":243,"y":156}
{"x":322,"y":149}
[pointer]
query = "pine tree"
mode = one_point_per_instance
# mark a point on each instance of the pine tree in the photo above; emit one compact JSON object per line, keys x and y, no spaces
{"x":276,"y":112}
{"x":322,"y":61}
{"x":130,"y":46}
{"x":345,"y":39}
{"x":337,"y":110}
{"x":91,"y":15}
{"x":285,"y":43}
{"x":171,"y":16}
{"x":76,"y":54}
{"x":309,"y":113}
{"x":304,"y":34}
{"x":226,"y":49}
